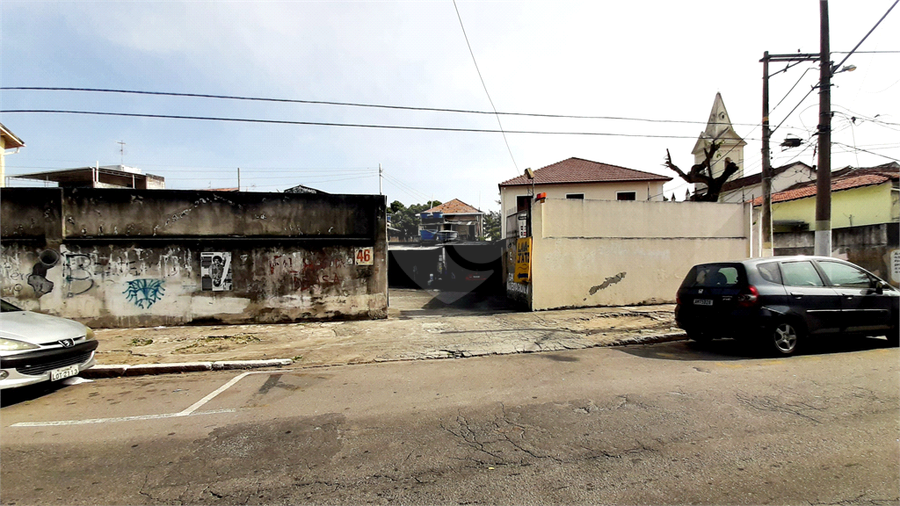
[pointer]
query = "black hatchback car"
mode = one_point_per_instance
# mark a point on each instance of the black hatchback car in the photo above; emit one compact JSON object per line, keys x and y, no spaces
{"x":782,"y":301}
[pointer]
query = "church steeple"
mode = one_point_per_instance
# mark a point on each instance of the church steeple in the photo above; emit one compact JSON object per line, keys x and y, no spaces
{"x":719,"y":129}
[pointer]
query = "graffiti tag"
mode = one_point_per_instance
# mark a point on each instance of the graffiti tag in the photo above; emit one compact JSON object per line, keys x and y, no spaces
{"x":144,"y":292}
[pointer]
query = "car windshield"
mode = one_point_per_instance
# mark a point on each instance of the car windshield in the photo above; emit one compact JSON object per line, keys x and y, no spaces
{"x":6,"y":307}
{"x":712,"y":275}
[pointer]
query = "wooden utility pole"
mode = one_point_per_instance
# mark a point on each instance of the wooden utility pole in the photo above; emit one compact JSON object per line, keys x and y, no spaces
{"x":823,"y":171}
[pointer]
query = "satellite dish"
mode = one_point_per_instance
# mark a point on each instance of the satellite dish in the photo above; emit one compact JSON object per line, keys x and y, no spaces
{"x":529,"y":173}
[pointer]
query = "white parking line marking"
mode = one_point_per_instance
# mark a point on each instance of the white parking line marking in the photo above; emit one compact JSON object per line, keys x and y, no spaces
{"x":211,"y":396}
{"x":119,"y":419}
{"x":192,"y":410}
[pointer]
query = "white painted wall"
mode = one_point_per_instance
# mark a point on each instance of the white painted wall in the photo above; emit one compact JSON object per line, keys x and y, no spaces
{"x":644,"y":190}
{"x":605,"y":253}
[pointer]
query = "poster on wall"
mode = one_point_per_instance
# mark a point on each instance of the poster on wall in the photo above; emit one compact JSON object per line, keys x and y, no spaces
{"x":215,"y":271}
{"x":523,"y":260}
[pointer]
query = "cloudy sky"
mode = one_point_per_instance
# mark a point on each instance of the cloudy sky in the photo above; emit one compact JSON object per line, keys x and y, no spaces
{"x":639,"y":61}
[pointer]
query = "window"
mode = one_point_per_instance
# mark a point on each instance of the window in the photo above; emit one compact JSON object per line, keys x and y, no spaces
{"x":626,"y":196}
{"x":770,"y":272}
{"x":801,"y":274}
{"x":578,"y":196}
{"x":523,"y":203}
{"x":714,"y":275}
{"x":845,"y":275}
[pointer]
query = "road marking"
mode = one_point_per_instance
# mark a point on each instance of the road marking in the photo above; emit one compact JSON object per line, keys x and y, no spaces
{"x":191,"y":410}
{"x":211,"y":396}
{"x":118,"y":419}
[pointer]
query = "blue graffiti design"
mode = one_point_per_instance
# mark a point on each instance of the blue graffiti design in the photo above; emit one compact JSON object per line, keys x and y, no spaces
{"x":144,"y":292}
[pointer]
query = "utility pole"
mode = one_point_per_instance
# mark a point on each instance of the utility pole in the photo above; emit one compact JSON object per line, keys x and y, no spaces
{"x":823,"y":171}
{"x":792,"y":59}
{"x":239,"y":179}
{"x":767,"y":249}
{"x":380,"y":176}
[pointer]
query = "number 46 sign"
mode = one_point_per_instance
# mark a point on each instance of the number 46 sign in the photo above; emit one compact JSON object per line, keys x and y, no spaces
{"x":365,"y":256}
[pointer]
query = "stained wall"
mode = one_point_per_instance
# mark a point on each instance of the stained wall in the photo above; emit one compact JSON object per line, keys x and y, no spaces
{"x":123,"y":258}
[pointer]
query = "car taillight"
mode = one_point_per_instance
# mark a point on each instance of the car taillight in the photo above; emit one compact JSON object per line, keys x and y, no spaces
{"x":748,"y":298}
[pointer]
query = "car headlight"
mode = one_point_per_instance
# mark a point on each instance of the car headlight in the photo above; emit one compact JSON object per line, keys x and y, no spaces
{"x":13,"y":345}
{"x":89,"y":335}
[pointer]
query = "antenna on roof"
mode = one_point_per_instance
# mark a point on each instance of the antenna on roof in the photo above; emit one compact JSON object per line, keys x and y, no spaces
{"x":121,"y":151}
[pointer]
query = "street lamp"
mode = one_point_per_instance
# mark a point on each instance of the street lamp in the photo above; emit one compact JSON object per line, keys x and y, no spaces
{"x":823,"y":197}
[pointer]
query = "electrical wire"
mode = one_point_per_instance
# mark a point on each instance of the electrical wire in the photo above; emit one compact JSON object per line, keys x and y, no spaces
{"x":866,"y":151}
{"x":794,"y":109}
{"x":790,"y":90}
{"x":483,"y":85}
{"x":350,"y":125}
{"x":356,"y":104}
{"x":833,"y":68}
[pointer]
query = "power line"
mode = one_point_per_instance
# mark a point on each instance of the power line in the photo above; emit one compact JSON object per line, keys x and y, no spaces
{"x":794,"y":109}
{"x":865,"y":37}
{"x":356,"y":104}
{"x":483,"y":85}
{"x":322,"y":123}
{"x":866,"y":151}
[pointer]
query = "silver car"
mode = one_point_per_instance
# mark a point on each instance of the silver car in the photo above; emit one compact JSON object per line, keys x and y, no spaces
{"x":35,"y":347}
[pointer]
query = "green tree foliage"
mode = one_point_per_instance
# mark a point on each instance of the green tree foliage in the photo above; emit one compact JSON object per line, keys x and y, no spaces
{"x":406,"y":219}
{"x":492,"y":226}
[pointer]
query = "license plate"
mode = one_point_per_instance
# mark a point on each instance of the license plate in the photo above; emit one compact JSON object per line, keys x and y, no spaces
{"x":64,"y":372}
{"x":703,"y":302}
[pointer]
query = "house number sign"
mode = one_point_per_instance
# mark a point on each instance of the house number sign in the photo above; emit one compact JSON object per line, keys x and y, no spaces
{"x":365,"y":256}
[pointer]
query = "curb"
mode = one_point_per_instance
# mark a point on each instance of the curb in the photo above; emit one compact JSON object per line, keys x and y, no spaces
{"x":651,"y":339}
{"x":113,"y":371}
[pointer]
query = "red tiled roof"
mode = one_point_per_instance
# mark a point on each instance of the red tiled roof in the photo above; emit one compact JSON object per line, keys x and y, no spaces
{"x":454,"y":206}
{"x":577,"y":170}
{"x":853,"y":180}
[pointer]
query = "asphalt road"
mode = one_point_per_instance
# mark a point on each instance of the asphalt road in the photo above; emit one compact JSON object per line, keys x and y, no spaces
{"x":670,"y":423}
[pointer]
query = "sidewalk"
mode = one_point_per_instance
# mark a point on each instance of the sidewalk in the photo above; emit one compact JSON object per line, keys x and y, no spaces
{"x":419,"y":326}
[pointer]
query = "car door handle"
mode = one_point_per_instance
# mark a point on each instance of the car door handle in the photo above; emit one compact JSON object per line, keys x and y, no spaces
{"x":797,"y":295}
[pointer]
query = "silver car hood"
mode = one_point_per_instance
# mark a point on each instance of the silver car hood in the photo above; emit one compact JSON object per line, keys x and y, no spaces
{"x":38,"y":328}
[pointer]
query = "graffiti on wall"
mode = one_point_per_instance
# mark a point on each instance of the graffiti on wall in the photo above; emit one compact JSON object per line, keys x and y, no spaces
{"x":319,"y":269}
{"x":38,"y":278}
{"x":77,"y":274}
{"x":144,"y":292}
{"x":215,"y":271}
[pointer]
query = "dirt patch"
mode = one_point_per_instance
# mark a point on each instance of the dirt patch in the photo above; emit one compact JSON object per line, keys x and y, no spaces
{"x":214,"y":344}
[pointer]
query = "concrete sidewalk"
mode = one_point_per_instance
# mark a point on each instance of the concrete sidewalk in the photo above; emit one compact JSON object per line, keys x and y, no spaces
{"x":421,"y":325}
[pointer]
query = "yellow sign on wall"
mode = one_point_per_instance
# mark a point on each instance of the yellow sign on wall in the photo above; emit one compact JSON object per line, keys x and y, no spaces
{"x":523,"y":260}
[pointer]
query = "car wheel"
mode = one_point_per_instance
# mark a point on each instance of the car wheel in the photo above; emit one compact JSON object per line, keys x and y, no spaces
{"x":783,"y":338}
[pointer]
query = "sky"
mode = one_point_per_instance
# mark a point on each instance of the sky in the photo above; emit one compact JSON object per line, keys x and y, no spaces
{"x":643,"y":61}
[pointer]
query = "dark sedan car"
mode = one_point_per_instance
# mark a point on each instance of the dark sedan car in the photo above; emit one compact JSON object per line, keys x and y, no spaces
{"x":783,"y":301}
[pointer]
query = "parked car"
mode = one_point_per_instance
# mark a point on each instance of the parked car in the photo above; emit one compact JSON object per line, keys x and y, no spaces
{"x":35,"y":347}
{"x":784,"y":301}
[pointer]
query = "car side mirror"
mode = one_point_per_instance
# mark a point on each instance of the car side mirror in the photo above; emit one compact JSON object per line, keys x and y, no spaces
{"x":880,"y":286}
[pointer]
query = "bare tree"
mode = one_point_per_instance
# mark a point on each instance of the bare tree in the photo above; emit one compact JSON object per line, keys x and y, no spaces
{"x":702,"y":173}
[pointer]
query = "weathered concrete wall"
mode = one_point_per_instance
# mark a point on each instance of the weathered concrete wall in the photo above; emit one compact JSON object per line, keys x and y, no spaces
{"x":875,"y":248}
{"x":160,"y":257}
{"x":605,"y":253}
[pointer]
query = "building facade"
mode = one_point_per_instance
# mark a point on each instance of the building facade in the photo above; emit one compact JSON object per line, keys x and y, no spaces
{"x":576,"y":179}
{"x":135,"y":258}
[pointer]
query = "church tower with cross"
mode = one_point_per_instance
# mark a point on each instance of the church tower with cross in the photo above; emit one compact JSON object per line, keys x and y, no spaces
{"x":731,"y":145}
